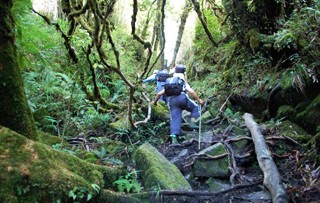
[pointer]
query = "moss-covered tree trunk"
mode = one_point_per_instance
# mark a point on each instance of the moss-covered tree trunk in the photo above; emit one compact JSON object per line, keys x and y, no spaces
{"x":14,"y":110}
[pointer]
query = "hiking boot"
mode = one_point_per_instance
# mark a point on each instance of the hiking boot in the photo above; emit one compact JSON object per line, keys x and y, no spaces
{"x":174,"y":140}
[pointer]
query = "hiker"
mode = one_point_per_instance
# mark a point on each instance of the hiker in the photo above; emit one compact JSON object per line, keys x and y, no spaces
{"x":180,"y":71}
{"x":158,"y":76}
{"x":175,"y":89}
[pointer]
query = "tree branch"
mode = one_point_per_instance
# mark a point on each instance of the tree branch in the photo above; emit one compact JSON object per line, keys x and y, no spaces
{"x":272,"y":178}
{"x":196,"y":7}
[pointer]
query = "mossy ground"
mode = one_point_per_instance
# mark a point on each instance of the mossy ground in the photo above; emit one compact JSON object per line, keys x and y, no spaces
{"x":34,"y":172}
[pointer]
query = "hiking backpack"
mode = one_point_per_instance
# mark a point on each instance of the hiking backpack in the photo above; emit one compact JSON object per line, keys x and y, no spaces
{"x":174,"y":86}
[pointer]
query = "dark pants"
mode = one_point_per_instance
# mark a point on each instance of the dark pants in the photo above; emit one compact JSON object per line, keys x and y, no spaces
{"x":176,"y":105}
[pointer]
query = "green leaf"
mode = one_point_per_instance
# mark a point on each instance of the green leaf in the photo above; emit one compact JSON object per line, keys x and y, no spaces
{"x":72,"y":194}
{"x":96,"y":187}
{"x":89,"y":197}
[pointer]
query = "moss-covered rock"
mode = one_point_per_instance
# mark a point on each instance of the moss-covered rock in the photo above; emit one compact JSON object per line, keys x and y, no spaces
{"x":121,"y":124}
{"x":239,"y":147}
{"x":286,"y":111}
{"x":309,"y":118}
{"x":157,"y":171}
{"x":212,"y":168}
{"x":292,"y":130}
{"x":160,"y":111}
{"x":34,"y":172}
{"x":215,"y":184}
{"x":111,"y":196}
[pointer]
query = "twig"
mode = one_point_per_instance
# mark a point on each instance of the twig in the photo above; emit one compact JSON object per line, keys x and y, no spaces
{"x":224,"y":104}
{"x":238,"y":139}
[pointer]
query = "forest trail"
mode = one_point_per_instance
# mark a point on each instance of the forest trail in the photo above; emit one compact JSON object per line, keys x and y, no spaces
{"x":244,"y":181}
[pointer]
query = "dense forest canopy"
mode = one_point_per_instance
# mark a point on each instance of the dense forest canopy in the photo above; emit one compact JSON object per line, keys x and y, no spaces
{"x":73,"y":70}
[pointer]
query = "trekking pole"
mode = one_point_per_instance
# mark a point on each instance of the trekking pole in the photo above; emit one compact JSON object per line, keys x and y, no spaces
{"x":200,"y":127}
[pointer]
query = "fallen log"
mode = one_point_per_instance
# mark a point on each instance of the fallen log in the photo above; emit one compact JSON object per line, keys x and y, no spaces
{"x":272,"y":179}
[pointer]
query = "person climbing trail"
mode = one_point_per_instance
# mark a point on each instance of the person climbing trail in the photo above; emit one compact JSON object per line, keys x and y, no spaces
{"x":158,"y":76}
{"x":175,"y":89}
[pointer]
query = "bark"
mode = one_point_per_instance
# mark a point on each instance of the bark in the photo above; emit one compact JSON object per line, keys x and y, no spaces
{"x":204,"y":24}
{"x":14,"y":110}
{"x":183,"y":20}
{"x":272,"y":178}
{"x":272,"y":107}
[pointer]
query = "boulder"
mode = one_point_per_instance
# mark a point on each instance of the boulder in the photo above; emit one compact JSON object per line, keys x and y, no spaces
{"x":157,"y":171}
{"x":179,"y":159}
{"x":203,"y":167}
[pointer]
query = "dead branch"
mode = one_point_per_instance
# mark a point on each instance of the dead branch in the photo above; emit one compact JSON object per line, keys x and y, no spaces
{"x":235,"y":188}
{"x":203,"y":156}
{"x":238,"y":139}
{"x":272,"y":178}
{"x":66,"y":38}
{"x":224,"y":104}
{"x":227,"y":131}
{"x":235,"y":170}
{"x":149,"y":111}
{"x":283,"y":137}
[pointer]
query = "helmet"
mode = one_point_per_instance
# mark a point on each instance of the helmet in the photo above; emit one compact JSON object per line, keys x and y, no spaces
{"x":180,"y":68}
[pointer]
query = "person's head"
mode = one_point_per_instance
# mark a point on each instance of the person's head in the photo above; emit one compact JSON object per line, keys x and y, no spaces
{"x":180,"y":68}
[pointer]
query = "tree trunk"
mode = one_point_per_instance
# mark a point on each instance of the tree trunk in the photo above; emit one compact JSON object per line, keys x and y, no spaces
{"x":183,"y":21}
{"x":204,"y":24}
{"x":14,"y":110}
{"x":272,"y":178}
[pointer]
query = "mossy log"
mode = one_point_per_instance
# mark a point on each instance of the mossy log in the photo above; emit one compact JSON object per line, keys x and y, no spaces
{"x":272,"y":179}
{"x":34,"y":172}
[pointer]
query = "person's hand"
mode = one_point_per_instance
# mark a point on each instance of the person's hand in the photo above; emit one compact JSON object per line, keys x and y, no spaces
{"x":200,"y":102}
{"x":154,"y":103}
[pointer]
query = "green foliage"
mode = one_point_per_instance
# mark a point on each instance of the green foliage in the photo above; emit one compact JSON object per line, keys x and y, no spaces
{"x":59,"y":147}
{"x":81,"y":194}
{"x":201,"y":41}
{"x":128,"y":183}
{"x":284,"y":39}
{"x":100,"y":153}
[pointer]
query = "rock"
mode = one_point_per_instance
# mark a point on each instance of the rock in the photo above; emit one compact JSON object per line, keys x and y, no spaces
{"x":121,"y":124}
{"x":157,"y":171}
{"x":212,"y":168}
{"x":160,"y":112}
{"x":206,"y":137}
{"x":241,"y":146}
{"x":178,"y":160}
{"x":215,"y":184}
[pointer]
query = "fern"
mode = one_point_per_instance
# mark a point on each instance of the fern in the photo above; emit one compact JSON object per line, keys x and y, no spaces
{"x":128,"y":183}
